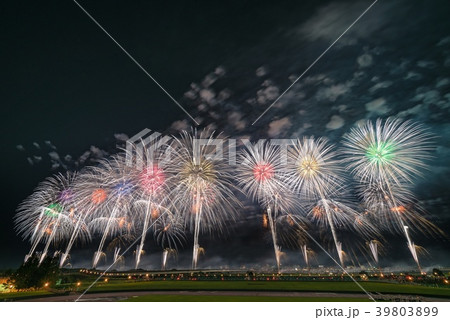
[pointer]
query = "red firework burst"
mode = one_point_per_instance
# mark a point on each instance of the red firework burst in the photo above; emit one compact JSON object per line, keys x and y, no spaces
{"x":152,"y":178}
{"x":263,"y":172}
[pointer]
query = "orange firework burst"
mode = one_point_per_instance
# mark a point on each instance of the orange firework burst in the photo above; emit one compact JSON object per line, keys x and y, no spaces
{"x":98,"y":196}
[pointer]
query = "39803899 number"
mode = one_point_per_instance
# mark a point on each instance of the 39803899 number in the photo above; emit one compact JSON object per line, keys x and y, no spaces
{"x":407,"y":311}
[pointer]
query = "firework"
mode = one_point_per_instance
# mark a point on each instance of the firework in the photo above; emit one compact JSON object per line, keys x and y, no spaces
{"x":314,"y":173}
{"x":202,"y":185}
{"x":90,"y":199}
{"x":290,"y":233}
{"x":113,"y":179}
{"x":313,"y":169}
{"x":412,"y":247}
{"x":47,"y":215}
{"x":393,"y":206}
{"x":375,"y":247}
{"x":117,"y":258}
{"x":260,"y":177}
{"x":167,"y":253}
{"x":169,"y":231}
{"x":308,"y":254}
{"x":393,"y":150}
{"x":385,"y":157}
{"x":151,"y":176}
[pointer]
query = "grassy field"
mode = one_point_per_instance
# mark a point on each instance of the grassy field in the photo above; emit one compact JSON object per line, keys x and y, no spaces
{"x":311,"y":286}
{"x":184,"y":298}
{"x":293,"y":286}
{"x":23,"y":295}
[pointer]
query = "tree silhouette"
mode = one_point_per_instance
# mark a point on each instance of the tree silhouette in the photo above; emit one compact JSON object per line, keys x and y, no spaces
{"x":31,"y":275}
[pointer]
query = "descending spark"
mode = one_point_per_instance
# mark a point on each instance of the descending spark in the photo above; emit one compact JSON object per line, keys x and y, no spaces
{"x":164,"y":259}
{"x":373,"y":245}
{"x":167,"y":253}
{"x":308,"y":255}
{"x":86,"y":208}
{"x":412,"y":247}
{"x":116,"y":254}
{"x":340,"y":252}
{"x":304,"y":249}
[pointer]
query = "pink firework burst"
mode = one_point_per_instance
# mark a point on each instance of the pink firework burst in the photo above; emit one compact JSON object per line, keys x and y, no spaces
{"x":152,"y":178}
{"x":263,"y":171}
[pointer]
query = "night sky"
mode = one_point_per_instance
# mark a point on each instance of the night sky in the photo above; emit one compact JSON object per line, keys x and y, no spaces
{"x":70,"y":95}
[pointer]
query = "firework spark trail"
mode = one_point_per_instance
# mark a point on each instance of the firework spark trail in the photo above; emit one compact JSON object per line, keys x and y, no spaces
{"x":373,"y":245}
{"x":116,"y":260}
{"x":90,"y":200}
{"x":105,"y":234}
{"x":333,"y":232}
{"x":147,"y":217}
{"x":114,"y":177}
{"x":62,"y":228}
{"x":35,"y":218}
{"x":164,"y":259}
{"x":334,"y":260}
{"x":273,"y":229}
{"x":66,"y":199}
{"x":167,"y":253}
{"x":304,"y":249}
{"x":202,"y":185}
{"x":259,"y":177}
{"x":140,"y":248}
{"x":198,"y":217}
{"x":116,"y":255}
{"x":313,"y":171}
{"x":79,"y":226}
{"x":412,"y":247}
{"x":75,"y":234}
{"x":169,"y":232}
{"x":51,"y":237}
{"x":36,"y":239}
{"x":150,"y":175}
{"x":391,"y":154}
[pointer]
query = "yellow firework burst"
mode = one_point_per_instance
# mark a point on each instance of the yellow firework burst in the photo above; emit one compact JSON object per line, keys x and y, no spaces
{"x":193,"y":172}
{"x":308,"y":166}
